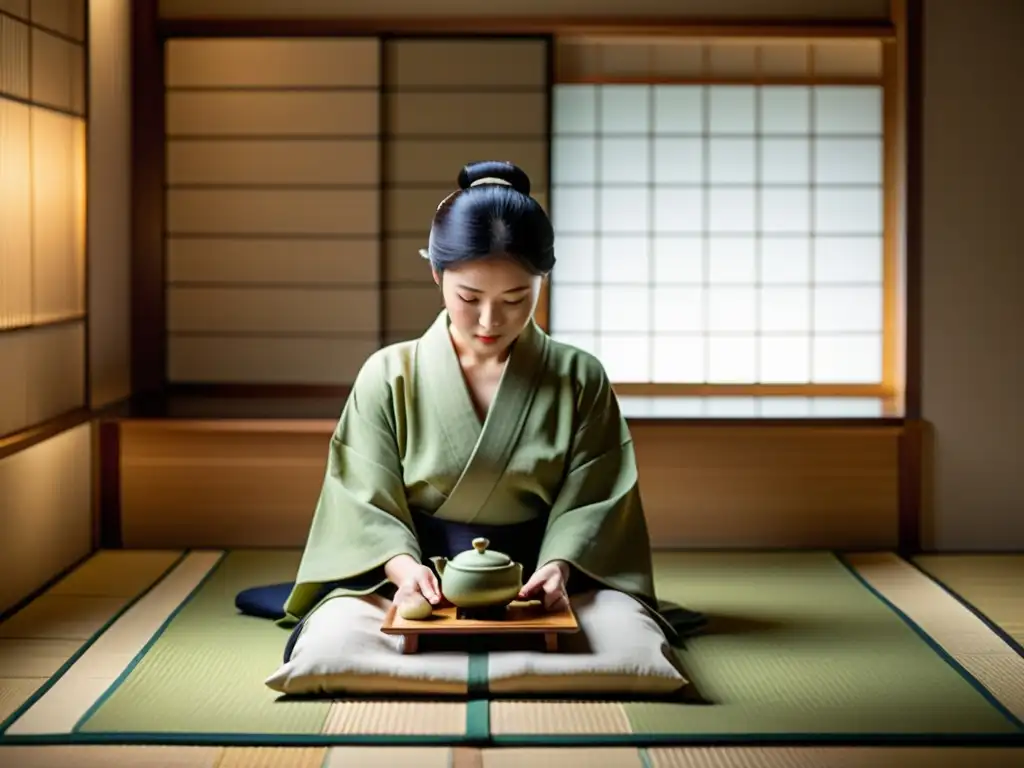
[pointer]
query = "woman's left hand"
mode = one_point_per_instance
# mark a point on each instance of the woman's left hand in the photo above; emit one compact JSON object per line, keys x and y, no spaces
{"x":548,"y":585}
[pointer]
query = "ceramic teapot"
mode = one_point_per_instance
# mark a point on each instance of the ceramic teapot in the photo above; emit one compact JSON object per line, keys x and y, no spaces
{"x":479,"y":578}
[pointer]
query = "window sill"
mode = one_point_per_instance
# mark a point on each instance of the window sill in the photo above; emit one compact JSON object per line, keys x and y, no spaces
{"x":252,"y":405}
{"x":761,"y":409}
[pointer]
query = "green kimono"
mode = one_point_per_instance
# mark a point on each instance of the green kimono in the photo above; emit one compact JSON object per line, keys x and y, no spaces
{"x":554,"y":444}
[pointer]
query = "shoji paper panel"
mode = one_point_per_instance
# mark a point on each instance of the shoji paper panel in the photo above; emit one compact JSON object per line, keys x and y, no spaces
{"x":110,"y":198}
{"x":42,"y":215}
{"x":17,"y":8}
{"x":58,"y":194}
{"x":46,"y":498}
{"x":42,"y":374}
{"x":15,"y":214}
{"x":272,"y":209}
{"x":450,"y":102}
{"x":66,"y":17}
{"x":14,"y":58}
{"x":721,"y":234}
{"x":58,"y":72}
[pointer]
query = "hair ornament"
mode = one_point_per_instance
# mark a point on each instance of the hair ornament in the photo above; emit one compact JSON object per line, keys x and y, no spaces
{"x":490,"y":180}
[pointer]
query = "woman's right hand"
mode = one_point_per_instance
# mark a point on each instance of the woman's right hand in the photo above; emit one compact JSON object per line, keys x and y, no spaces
{"x":413,"y":580}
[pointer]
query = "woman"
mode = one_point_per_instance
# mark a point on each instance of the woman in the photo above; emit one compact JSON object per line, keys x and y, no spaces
{"x":485,"y":426}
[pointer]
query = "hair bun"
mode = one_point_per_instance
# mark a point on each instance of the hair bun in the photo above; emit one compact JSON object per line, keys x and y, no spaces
{"x":495,"y":169}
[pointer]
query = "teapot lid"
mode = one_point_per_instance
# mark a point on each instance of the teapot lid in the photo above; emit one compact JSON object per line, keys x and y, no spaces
{"x":480,"y":558}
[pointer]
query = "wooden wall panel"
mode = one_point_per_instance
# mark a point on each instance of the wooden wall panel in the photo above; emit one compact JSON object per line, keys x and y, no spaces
{"x":482,"y":64}
{"x":404,"y":264}
{"x":417,"y":161}
{"x":292,"y":213}
{"x":272,"y":210}
{"x":450,"y":102}
{"x":286,"y":114}
{"x":272,"y":310}
{"x":238,"y":483}
{"x":282,"y":162}
{"x":225,"y":359}
{"x":272,"y":63}
{"x":970,"y":201}
{"x":42,"y":374}
{"x":248,"y":261}
{"x":476,"y":114}
{"x":46,"y":525}
{"x":721,"y":486}
{"x":252,"y":484}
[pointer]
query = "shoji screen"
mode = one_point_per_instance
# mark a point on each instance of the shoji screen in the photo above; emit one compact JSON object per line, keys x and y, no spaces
{"x":42,"y":211}
{"x":272,"y":209}
{"x":721,"y":212}
{"x":449,"y":102}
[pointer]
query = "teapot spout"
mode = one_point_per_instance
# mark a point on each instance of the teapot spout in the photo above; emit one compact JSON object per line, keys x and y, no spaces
{"x":439,"y":564}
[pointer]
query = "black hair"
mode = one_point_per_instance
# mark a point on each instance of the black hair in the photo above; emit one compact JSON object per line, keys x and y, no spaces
{"x":492,"y":213}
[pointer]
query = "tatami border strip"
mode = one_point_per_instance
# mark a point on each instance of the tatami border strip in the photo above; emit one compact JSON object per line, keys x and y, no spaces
{"x":638,"y":740}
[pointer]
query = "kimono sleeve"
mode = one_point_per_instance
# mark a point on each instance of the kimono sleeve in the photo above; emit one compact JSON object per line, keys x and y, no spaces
{"x":597,"y":521}
{"x":362,"y":518}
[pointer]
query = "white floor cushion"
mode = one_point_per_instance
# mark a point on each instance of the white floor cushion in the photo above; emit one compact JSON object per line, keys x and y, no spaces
{"x":618,"y":650}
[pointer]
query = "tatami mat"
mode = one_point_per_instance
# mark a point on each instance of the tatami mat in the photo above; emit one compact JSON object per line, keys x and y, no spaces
{"x":543,"y":757}
{"x":387,"y":757}
{"x":37,"y":641}
{"x":264,"y":757}
{"x":109,"y":757}
{"x":769,"y":611}
{"x":992,"y":584}
{"x":796,"y":645}
{"x":950,"y":624}
{"x":834,"y":757}
{"x":100,"y":665}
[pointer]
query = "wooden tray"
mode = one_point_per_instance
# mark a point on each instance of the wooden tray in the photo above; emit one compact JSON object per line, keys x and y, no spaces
{"x":520,"y":618}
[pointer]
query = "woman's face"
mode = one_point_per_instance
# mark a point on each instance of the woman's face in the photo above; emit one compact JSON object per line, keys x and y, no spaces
{"x":490,"y":301}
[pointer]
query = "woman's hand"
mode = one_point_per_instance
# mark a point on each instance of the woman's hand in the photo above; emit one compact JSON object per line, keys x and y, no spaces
{"x":413,"y":580}
{"x":548,"y":585}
